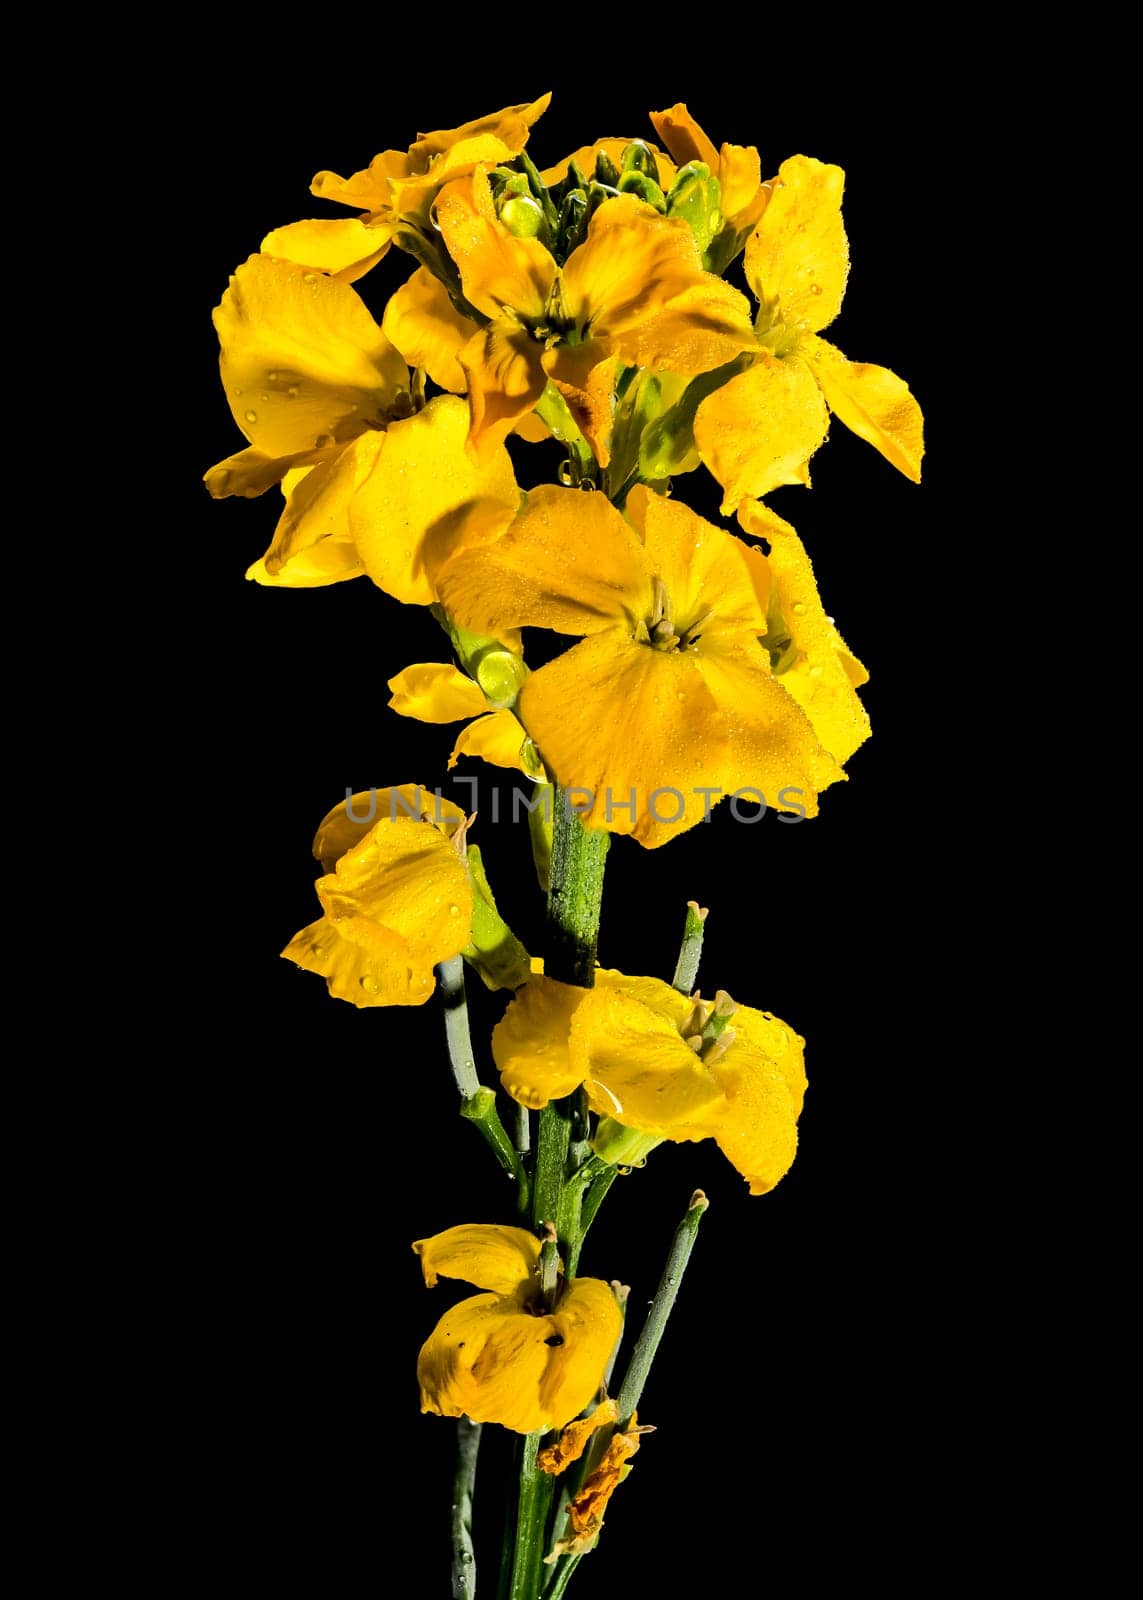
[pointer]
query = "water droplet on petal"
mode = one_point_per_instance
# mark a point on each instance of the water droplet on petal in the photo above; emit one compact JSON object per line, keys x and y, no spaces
{"x":454,"y":911}
{"x":799,"y":609}
{"x":292,"y":391}
{"x":370,"y":985}
{"x":309,"y":277}
{"x":252,"y":416}
{"x":815,"y":288}
{"x":322,"y":440}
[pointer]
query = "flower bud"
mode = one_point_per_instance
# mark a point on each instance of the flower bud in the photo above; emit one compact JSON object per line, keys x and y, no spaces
{"x":696,"y":196}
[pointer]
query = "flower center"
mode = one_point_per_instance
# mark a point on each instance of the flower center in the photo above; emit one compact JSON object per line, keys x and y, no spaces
{"x":661,"y":630}
{"x":706,"y":1030}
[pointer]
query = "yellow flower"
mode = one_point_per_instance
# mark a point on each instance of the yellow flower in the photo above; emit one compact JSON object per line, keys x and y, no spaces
{"x":759,"y":430}
{"x":398,"y":187}
{"x":434,"y":691}
{"x":663,"y":1065}
{"x":706,"y":669}
{"x":633,"y":291}
{"x":737,"y":167}
{"x":395,"y":896}
{"x":501,"y":1357}
{"x":323,"y":397}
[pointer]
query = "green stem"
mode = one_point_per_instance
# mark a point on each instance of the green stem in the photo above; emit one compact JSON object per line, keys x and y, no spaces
{"x":477,"y":1104}
{"x":691,"y":953}
{"x":551,"y":1162}
{"x":536,"y":1489}
{"x":463,"y":1556}
{"x":563,"y":1576}
{"x":648,"y":1342}
{"x":582,"y":1198}
{"x":579,"y":856}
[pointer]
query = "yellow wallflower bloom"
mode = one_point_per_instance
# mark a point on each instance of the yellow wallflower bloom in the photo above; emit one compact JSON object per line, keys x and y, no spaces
{"x":638,"y":1048}
{"x":737,"y":167}
{"x":759,"y":430}
{"x":371,"y":485}
{"x":434,"y":691}
{"x":395,"y":897}
{"x":681,"y":691}
{"x":398,"y":186}
{"x":500,"y":1356}
{"x":634,"y":290}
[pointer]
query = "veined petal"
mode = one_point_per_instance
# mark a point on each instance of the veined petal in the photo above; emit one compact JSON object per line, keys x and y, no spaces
{"x":345,"y":247}
{"x":250,"y":473}
{"x":502,"y":366}
{"x":498,"y":738}
{"x":585,"y":375}
{"x":632,"y":263}
{"x":428,"y":330}
{"x":759,"y":430}
{"x":613,"y":148}
{"x":303,"y":363}
{"x":758,"y":1131}
{"x":412,"y":508}
{"x":499,"y":271}
{"x":369,"y":190}
{"x":635,"y":1064}
{"x":703,"y":567}
{"x":702,"y":328}
{"x":797,"y":258}
{"x":488,"y":1255}
{"x":530,"y":1042}
{"x":312,"y":544}
{"x":435,"y":691}
{"x":821,"y":677}
{"x":874,"y":402}
{"x":772,"y":746}
{"x":635,"y":731}
{"x":572,"y":1442}
{"x":568,"y":562}
{"x":346,"y":824}
{"x":683,"y":137}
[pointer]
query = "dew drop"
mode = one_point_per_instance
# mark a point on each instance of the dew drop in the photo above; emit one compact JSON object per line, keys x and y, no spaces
{"x":799,"y":609}
{"x":309,"y":277}
{"x":454,"y":911}
{"x":370,"y":985}
{"x":815,"y":288}
{"x":252,"y":416}
{"x":271,"y":377}
{"x":322,"y":440}
{"x":680,"y":694}
{"x":293,"y":391}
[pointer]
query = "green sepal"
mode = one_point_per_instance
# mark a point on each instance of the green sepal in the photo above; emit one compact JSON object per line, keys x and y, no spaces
{"x":696,"y":196}
{"x":639,"y":157}
{"x":494,"y":949}
{"x":668,"y":444}
{"x":620,"y":1146}
{"x":638,"y":183}
{"x":606,"y":171}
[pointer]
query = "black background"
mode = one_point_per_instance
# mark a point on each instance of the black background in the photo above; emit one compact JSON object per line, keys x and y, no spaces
{"x":806,"y":1382}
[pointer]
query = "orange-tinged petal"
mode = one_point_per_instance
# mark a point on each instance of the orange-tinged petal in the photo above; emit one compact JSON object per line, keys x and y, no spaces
{"x":874,"y":402}
{"x":631,"y":264}
{"x":485,"y":1254}
{"x":428,"y":330}
{"x":585,"y":375}
{"x":345,"y":247}
{"x":312,"y":544}
{"x":823,"y":675}
{"x":635,"y":1065}
{"x":683,"y":137}
{"x":758,"y":431}
{"x":797,"y":258}
{"x":586,"y":1508}
{"x":743,"y":193}
{"x":572,"y":1442}
{"x":499,"y":272}
{"x":702,"y":328}
{"x":347,"y":823}
{"x":772,"y":746}
{"x":530,"y":1042}
{"x":569,"y":562}
{"x":502,"y":366}
{"x":435,"y":691}
{"x":500,"y":739}
{"x":704,"y":567}
{"x":303,"y":363}
{"x":634,"y":730}
{"x":414,"y":505}
{"x":613,"y":148}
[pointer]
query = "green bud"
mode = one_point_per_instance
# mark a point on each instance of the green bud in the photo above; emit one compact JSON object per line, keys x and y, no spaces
{"x":494,"y":950}
{"x":606,"y":171}
{"x":572,"y":224}
{"x":524,"y":218}
{"x":696,"y":196}
{"x":501,"y":674}
{"x":639,"y":157}
{"x":646,"y":188}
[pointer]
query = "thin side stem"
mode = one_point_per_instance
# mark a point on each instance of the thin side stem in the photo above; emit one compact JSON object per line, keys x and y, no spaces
{"x":648,"y":1341}
{"x":463,"y":1556}
{"x":686,"y":970}
{"x":477,"y":1104}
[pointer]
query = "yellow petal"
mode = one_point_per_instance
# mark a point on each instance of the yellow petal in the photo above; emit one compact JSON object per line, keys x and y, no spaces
{"x":703,"y":567}
{"x":702,"y":328}
{"x":342,"y":246}
{"x":821,"y":678}
{"x":510,"y":125}
{"x":588,"y":1321}
{"x":759,"y":430}
{"x":530,"y":1043}
{"x":585,"y":375}
{"x":635,"y":731}
{"x":631,"y":264}
{"x":303,"y":363}
{"x":744,"y":195}
{"x":683,"y":137}
{"x":568,"y":562}
{"x":613,"y":148}
{"x":499,"y":272}
{"x":874,"y":402}
{"x":250,"y":473}
{"x":758,"y":1132}
{"x":369,"y":190}
{"x":414,"y":504}
{"x":502,"y":366}
{"x":635,"y":1065}
{"x":500,"y":739}
{"x":427,"y":329}
{"x":434,"y":691}
{"x":797,"y":258}
{"x":347,"y":823}
{"x":312,"y":544}
{"x":572,"y":1442}
{"x":485,"y":1254}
